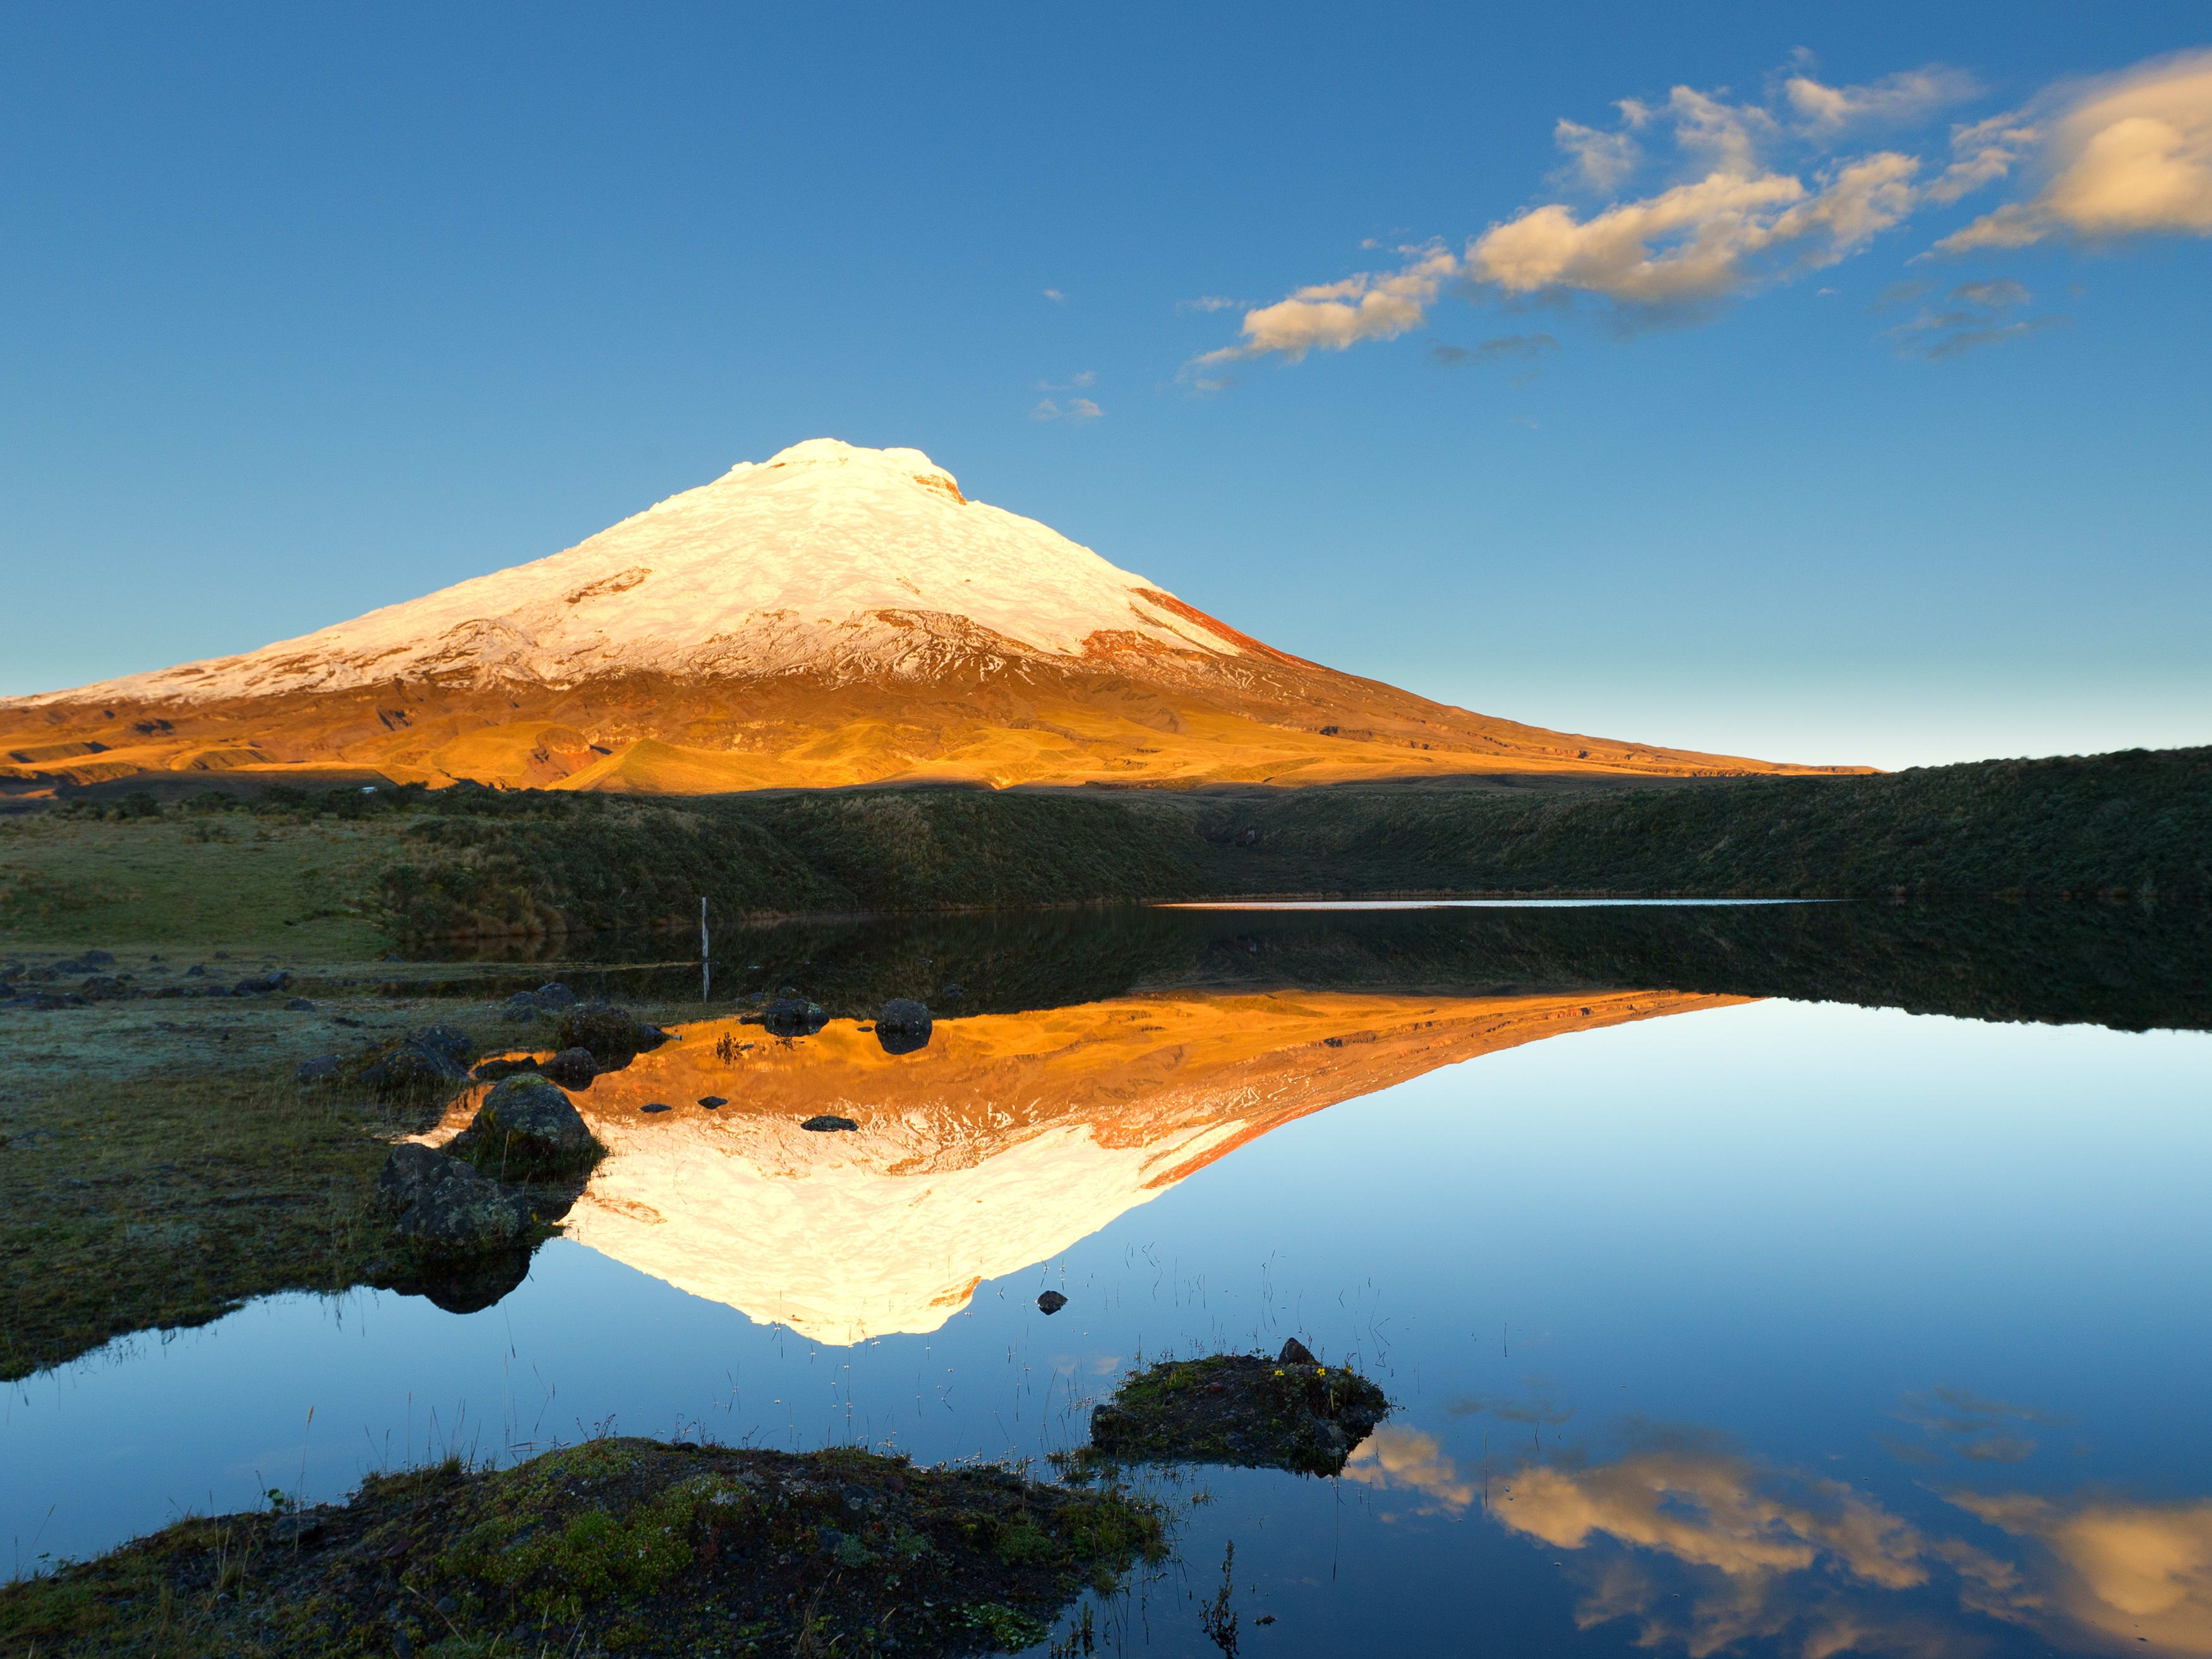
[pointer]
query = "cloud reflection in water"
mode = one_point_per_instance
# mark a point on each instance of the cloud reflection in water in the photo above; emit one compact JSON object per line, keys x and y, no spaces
{"x":1704,"y":1549}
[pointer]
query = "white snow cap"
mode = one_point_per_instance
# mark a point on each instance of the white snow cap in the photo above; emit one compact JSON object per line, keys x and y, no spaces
{"x":775,"y":567}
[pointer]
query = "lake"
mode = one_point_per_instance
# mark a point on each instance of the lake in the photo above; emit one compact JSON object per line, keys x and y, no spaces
{"x":1788,"y":1279}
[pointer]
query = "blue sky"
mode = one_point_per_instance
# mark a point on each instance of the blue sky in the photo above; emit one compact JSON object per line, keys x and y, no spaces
{"x":305,"y":311}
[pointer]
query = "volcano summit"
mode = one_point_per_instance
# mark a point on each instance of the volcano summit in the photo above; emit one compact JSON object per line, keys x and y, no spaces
{"x":833,"y":616}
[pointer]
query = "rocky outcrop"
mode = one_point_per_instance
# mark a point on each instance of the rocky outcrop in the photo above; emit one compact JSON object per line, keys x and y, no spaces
{"x":420,"y":1065}
{"x":615,"y":1036}
{"x":553,"y":998}
{"x":528,"y":1128}
{"x":444,"y":1208}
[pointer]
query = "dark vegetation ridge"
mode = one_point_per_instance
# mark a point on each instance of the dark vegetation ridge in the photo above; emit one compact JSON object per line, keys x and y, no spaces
{"x":477,"y":861}
{"x":469,"y":861}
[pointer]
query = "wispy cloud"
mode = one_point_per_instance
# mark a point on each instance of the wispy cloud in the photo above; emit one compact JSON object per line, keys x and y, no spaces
{"x":1742,"y":194}
{"x":1054,"y":295}
{"x":1526,"y":347}
{"x":1336,"y":316}
{"x":2131,"y":155}
{"x":1971,"y":322}
{"x":1075,"y":410}
{"x":1207,"y":302}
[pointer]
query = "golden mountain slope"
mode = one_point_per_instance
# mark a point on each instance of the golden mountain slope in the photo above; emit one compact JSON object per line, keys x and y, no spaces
{"x":835,"y":615}
{"x":988,"y":721}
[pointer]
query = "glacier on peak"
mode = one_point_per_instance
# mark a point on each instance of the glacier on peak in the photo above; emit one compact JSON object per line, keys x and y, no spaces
{"x":827,"y":555}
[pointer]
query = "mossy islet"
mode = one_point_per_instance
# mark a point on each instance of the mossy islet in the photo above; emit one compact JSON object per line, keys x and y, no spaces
{"x":653,"y":1548}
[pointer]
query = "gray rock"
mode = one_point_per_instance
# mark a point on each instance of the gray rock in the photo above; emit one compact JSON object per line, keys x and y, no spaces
{"x":406,"y":1070}
{"x":454,"y":1045}
{"x":615,"y":1036}
{"x":298,"y":1006}
{"x":826,"y":1123}
{"x":103,"y":987}
{"x":324,"y":1068}
{"x":657,"y":1106}
{"x":1052,"y":1302}
{"x":1295,"y":1353}
{"x":445,"y":1207}
{"x":903,"y":1026}
{"x":491,"y":1071}
{"x":712,"y":1101}
{"x":572,"y":1068}
{"x":794,"y":1017}
{"x":552,"y":999}
{"x":526,"y":1126}
{"x":260,"y":985}
{"x":423,"y":1064}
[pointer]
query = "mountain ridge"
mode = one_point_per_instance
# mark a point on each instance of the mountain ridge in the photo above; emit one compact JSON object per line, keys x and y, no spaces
{"x":833,"y":616}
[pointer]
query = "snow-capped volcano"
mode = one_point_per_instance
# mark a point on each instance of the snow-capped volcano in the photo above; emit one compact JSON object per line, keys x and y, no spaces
{"x":825,"y":557}
{"x":833,"y":615}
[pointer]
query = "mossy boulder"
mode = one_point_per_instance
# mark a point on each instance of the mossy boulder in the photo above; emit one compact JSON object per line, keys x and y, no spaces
{"x":1241,"y":1409}
{"x":430,"y":1064}
{"x":528,"y":1128}
{"x":446,"y":1207}
{"x":654,"y":1549}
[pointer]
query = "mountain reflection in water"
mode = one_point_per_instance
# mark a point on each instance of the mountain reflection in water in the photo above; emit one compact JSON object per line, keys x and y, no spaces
{"x":1004,"y":1141}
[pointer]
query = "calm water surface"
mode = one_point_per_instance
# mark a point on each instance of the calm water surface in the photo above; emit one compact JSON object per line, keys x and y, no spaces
{"x":1714,"y":1323}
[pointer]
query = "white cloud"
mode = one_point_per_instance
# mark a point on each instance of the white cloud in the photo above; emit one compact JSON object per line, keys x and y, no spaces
{"x":2127,"y":156}
{"x":1981,"y":154}
{"x":1207,"y":302}
{"x":1335,"y":316}
{"x":1760,"y":193}
{"x":1602,"y":161}
{"x":1894,"y":100}
{"x":1701,"y":241}
{"x":1077,"y":410}
{"x":1054,"y":295}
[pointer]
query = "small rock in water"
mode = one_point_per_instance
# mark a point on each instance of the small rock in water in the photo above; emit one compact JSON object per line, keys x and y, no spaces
{"x":710,"y":1102}
{"x":903,"y":1026}
{"x":656,"y":1106}
{"x":794,"y":1017}
{"x":1295,"y":1353}
{"x":1052,"y":1302}
{"x":572,"y":1068}
{"x":826,"y":1122}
